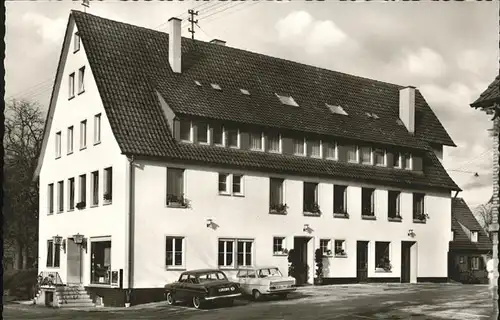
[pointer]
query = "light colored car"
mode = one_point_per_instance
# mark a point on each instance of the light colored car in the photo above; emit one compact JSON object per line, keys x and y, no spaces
{"x":264,"y":280}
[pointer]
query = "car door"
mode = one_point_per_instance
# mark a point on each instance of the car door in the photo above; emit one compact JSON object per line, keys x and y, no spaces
{"x":242,"y":280}
{"x":180,"y":292}
{"x":252,"y":281}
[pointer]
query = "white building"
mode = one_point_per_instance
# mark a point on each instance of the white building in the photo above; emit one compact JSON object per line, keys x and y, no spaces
{"x":212,"y":157}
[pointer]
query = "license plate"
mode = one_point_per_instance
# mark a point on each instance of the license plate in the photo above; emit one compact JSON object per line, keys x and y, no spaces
{"x":224,"y":289}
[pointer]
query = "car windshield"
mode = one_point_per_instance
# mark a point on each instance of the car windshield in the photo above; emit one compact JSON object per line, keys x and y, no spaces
{"x":212,"y":276}
{"x":269,"y":272}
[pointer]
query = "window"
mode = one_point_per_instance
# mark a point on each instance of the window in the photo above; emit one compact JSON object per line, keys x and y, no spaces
{"x":50,"y":198}
{"x":340,"y":249}
{"x":406,"y":160}
{"x":97,"y":128}
{"x":58,"y":144}
{"x":95,"y":188}
{"x":71,"y":193}
{"x":326,"y":246}
{"x":397,"y":160}
{"x":233,"y":138}
{"x":243,"y":251}
{"x":60,"y":196}
{"x":83,"y":190}
{"x":70,"y":140}
{"x":278,"y":245}
{"x":352,"y":154}
{"x":185,"y":130}
{"x":108,"y":185}
{"x":218,"y":135}
{"x":174,"y":251}
{"x":256,"y":140}
{"x":379,"y":157}
{"x":474,"y":236}
{"x":336,"y":109}
{"x":418,"y":206}
{"x":81,"y":82}
{"x":274,"y":142}
{"x":368,"y":201}
{"x":71,"y":85}
{"x":100,"y":262}
{"x":275,"y":193}
{"x":223,"y":183}
{"x":310,"y":197}
{"x":226,"y":253}
{"x":83,"y":134}
{"x":475,"y":263}
{"x":202,"y":134}
{"x":331,"y":150}
{"x":53,"y":254}
{"x":76,"y":42}
{"x":340,"y":199}
{"x":382,"y":255}
{"x":175,"y":186}
{"x":298,"y":147}
{"x":366,"y":155}
{"x":394,"y":204}
{"x":237,"y":184}
{"x":315,"y":148}
{"x":287,"y":100}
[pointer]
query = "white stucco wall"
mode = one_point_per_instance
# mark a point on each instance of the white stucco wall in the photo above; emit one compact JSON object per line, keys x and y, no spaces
{"x":248,"y":217}
{"x":103,"y":220}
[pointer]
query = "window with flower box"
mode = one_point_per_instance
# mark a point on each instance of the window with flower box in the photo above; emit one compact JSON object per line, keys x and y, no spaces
{"x":310,"y":198}
{"x":340,"y":201}
{"x":368,"y":202}
{"x":279,"y":245}
{"x":326,"y":246}
{"x":382,"y":256}
{"x":175,"y":187}
{"x":276,"y":201}
{"x":419,"y":207}
{"x":394,"y":205}
{"x":340,"y":249}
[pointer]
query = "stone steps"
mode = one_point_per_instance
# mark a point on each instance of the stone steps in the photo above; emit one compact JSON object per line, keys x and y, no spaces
{"x":73,"y":297}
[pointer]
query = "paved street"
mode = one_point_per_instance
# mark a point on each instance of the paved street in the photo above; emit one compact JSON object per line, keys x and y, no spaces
{"x":374,"y":301}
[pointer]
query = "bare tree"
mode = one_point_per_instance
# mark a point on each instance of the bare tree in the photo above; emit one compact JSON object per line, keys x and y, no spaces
{"x":484,"y":215}
{"x":24,"y":126}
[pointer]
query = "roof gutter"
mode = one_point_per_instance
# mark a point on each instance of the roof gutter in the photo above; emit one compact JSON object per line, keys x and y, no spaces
{"x":131,"y":221}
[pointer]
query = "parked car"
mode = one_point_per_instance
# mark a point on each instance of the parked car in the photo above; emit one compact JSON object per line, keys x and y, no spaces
{"x":201,"y":287}
{"x":258,"y":281}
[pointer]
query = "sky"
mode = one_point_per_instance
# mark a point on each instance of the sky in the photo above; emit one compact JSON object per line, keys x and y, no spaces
{"x":448,"y":50}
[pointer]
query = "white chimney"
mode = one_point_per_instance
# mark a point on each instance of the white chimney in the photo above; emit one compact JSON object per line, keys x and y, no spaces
{"x":174,"y":44}
{"x":219,"y":42}
{"x":407,"y":107}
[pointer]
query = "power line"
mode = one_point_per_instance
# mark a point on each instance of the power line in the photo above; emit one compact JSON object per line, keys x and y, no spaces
{"x":241,"y":8}
{"x":469,"y":162}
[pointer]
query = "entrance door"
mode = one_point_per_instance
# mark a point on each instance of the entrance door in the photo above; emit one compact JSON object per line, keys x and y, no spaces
{"x":73,"y":250}
{"x":362,"y":261}
{"x":405,"y":261}
{"x":301,"y":269}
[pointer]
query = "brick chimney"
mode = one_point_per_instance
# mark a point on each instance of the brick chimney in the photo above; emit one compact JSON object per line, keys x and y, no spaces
{"x":219,"y":42}
{"x":407,"y":107}
{"x":174,"y":44}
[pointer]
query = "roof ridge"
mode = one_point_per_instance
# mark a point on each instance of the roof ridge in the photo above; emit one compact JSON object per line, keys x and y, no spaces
{"x":394,"y":85}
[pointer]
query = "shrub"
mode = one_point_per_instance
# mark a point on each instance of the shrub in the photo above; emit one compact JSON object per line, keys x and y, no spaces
{"x":20,"y":283}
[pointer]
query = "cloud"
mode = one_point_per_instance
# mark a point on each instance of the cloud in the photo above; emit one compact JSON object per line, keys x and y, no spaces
{"x":424,"y":62}
{"x":299,"y":27}
{"x":51,"y":30}
{"x":472,"y":61}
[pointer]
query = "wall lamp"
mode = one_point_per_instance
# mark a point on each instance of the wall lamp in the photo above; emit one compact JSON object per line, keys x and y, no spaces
{"x":411,"y":233}
{"x":210,"y":222}
{"x":306,"y":227}
{"x":80,"y":240}
{"x":59,"y":241}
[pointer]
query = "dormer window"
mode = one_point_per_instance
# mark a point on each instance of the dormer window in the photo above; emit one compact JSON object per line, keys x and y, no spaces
{"x":244,"y":91}
{"x":315,"y":148}
{"x":76,"y":42}
{"x":185,"y":130}
{"x":474,"y":235}
{"x":274,"y":142}
{"x":299,"y":147}
{"x":218,"y":134}
{"x":215,"y":86}
{"x":202,"y":132}
{"x":288,"y":100}
{"x":336,"y":109}
{"x":352,"y":154}
{"x":406,"y":161}
{"x":366,"y":155}
{"x":379,"y":157}
{"x":397,"y":160}
{"x":331,"y":150}
{"x":233,"y":138}
{"x":256,"y":141}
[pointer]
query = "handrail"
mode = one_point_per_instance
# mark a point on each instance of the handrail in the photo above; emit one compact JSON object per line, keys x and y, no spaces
{"x":50,"y":278}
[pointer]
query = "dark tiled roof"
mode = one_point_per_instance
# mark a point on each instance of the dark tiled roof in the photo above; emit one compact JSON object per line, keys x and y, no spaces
{"x":489,"y":96}
{"x":129,"y":63}
{"x":461,"y":214}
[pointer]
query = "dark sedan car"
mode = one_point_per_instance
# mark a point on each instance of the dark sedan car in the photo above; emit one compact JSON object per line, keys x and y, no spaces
{"x":202,"y":286}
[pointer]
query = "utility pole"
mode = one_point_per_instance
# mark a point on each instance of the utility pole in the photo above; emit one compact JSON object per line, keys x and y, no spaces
{"x":192,"y":13}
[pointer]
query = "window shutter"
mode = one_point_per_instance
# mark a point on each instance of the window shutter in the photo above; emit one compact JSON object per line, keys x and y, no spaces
{"x":287,"y":145}
{"x":244,"y":140}
{"x":390,"y":159}
{"x":418,"y":163}
{"x":177,"y":129}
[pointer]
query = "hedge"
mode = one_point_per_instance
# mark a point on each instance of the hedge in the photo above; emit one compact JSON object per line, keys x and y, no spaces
{"x":20,"y":282}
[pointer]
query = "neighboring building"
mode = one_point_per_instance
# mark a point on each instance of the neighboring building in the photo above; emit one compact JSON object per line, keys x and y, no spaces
{"x":169,"y":154}
{"x":489,"y":101}
{"x":469,"y":245}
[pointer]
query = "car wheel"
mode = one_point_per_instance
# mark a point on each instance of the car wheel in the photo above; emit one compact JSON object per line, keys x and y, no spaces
{"x":170,"y":298}
{"x":197,"y":302}
{"x":256,"y":295}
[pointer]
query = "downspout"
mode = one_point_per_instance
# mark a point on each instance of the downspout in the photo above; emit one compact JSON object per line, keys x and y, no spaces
{"x":131,"y":222}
